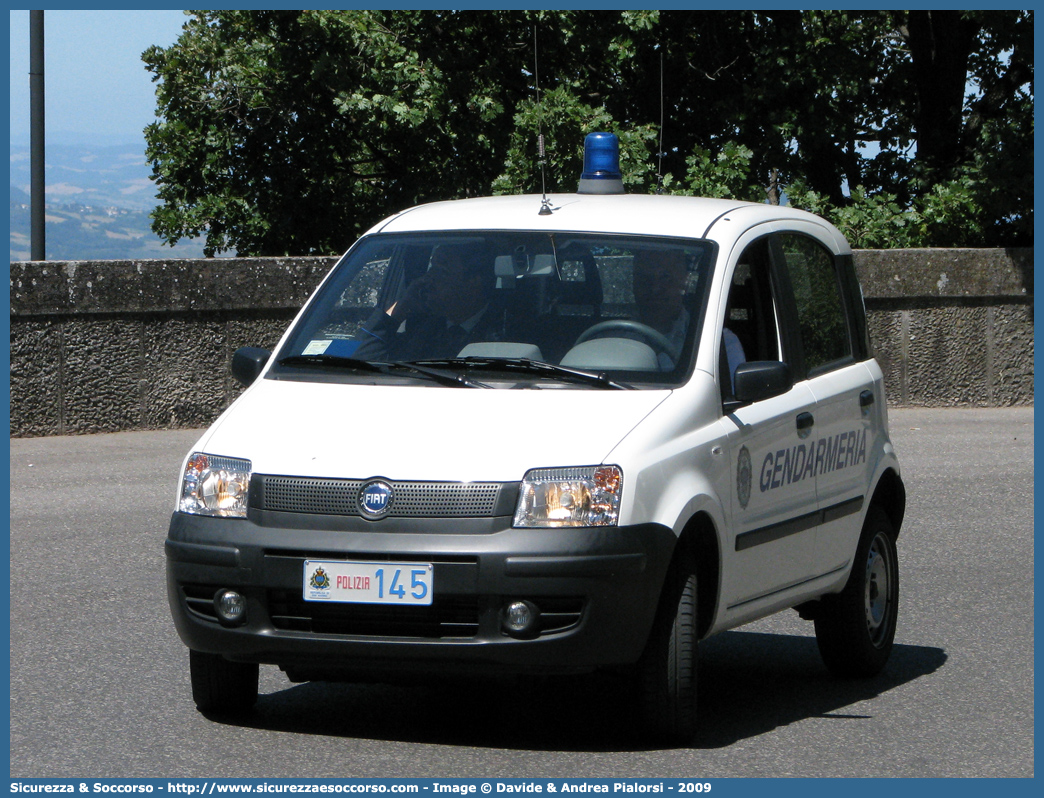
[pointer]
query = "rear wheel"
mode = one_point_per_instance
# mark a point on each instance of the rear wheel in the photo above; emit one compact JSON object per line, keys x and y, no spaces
{"x":220,"y":686}
{"x":855,"y":629}
{"x":667,"y":669}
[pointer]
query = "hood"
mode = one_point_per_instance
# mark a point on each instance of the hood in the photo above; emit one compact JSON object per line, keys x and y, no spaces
{"x":423,"y":433}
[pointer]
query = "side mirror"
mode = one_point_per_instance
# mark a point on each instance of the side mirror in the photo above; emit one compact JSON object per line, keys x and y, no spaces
{"x":761,"y":379}
{"x":248,"y":362}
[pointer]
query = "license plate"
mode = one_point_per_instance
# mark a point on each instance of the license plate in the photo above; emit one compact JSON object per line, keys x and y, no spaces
{"x":368,"y":582}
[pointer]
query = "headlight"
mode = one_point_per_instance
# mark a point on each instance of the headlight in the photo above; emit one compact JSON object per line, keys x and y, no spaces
{"x":215,"y":486}
{"x":562,"y":497}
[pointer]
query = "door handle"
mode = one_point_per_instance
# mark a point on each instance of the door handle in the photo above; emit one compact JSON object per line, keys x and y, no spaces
{"x":804,"y":424}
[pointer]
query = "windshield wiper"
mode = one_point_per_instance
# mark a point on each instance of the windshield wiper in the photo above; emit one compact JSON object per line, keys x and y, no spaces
{"x":524,"y":365}
{"x":337,"y":361}
{"x":443,"y":377}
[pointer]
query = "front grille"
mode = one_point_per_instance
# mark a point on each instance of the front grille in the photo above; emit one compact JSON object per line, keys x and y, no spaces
{"x":446,"y":617}
{"x":409,"y":499}
{"x":349,"y":556}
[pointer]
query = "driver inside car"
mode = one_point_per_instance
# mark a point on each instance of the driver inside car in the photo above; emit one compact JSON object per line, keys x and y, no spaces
{"x":659,"y":278}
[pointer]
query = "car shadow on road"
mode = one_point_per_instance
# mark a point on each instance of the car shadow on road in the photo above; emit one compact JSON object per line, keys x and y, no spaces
{"x":749,"y":683}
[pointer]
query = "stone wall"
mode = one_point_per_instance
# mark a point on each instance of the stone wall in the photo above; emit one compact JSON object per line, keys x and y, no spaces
{"x":951,"y":327}
{"x":114,"y":345}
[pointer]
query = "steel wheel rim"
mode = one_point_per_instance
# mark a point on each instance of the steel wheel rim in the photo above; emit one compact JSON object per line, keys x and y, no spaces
{"x":877,"y":590}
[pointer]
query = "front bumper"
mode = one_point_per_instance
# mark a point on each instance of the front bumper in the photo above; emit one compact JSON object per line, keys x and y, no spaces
{"x":597,"y":590}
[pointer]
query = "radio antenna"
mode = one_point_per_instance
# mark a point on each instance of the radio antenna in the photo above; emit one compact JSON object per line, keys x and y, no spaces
{"x":545,"y":203}
{"x":659,"y":169}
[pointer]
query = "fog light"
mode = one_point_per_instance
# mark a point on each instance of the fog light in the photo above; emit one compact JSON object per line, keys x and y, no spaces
{"x":520,"y":618}
{"x":230,"y":606}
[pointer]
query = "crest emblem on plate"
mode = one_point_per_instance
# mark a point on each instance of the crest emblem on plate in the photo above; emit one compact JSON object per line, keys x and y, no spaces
{"x":375,"y":499}
{"x":743,"y":477}
{"x":320,"y":580}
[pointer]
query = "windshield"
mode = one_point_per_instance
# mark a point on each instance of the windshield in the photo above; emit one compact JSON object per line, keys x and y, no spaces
{"x":506,"y":305}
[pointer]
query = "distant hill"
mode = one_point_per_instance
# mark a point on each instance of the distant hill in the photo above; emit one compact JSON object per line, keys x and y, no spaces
{"x":91,"y":174}
{"x":83,"y":232}
{"x":98,"y":203}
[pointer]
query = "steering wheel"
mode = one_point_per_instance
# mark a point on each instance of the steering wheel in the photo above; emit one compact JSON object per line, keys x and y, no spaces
{"x":658,"y":340}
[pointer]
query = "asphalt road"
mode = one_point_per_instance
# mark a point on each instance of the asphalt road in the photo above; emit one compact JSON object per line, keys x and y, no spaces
{"x":99,"y":679}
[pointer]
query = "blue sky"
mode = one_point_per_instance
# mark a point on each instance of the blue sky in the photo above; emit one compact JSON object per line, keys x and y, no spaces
{"x":96,"y":86}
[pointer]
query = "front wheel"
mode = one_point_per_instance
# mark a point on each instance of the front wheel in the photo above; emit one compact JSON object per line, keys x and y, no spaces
{"x":667,"y":669}
{"x":855,"y":629}
{"x":220,"y":686}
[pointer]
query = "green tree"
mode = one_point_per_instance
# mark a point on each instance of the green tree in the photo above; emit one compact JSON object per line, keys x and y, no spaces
{"x":561,"y":121}
{"x":293,"y":131}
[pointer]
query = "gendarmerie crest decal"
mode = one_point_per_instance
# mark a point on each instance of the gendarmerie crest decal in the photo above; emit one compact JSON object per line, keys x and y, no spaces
{"x":743,"y":477}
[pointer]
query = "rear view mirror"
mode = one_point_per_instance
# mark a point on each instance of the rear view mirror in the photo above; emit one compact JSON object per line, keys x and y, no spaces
{"x":248,"y":362}
{"x":761,"y":379}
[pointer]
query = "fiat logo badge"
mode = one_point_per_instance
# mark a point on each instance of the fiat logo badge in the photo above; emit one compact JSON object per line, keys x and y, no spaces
{"x":375,"y":499}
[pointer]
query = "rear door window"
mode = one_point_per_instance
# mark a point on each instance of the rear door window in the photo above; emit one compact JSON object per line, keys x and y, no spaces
{"x":822,"y":324}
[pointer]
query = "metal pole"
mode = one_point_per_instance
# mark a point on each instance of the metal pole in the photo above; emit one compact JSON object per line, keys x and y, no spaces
{"x":36,"y":135}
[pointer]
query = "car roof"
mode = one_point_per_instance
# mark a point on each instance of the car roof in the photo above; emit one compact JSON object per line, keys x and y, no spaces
{"x":627,"y":214}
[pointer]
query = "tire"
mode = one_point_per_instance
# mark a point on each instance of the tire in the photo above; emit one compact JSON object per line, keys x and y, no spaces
{"x":220,"y":686}
{"x":667,"y":668}
{"x":855,"y":629}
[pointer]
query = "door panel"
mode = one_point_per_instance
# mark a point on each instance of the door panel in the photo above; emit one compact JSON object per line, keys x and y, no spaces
{"x":774,"y":500}
{"x":772,"y":531}
{"x":843,"y":393}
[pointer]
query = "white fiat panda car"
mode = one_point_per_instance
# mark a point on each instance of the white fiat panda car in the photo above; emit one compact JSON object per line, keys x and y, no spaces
{"x":548,"y":435}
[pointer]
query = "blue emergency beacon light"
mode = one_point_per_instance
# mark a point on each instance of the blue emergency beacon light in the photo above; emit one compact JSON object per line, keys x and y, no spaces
{"x":601,"y":173}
